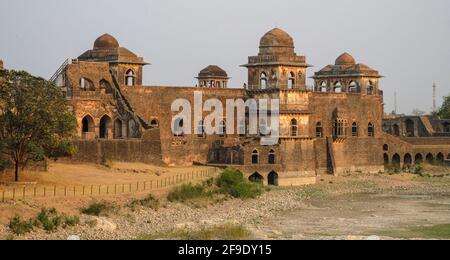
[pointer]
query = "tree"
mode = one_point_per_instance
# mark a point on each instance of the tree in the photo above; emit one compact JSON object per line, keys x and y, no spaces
{"x":35,"y":122}
{"x":444,"y":111}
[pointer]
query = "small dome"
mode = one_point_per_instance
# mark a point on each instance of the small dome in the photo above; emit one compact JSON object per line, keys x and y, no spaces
{"x":213,"y":71}
{"x":345,"y":59}
{"x":106,"y":41}
{"x":276,"y":42}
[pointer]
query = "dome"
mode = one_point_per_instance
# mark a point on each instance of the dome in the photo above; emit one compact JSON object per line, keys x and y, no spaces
{"x":212,"y":71}
{"x":345,"y":59}
{"x":276,"y":42}
{"x":106,"y":41}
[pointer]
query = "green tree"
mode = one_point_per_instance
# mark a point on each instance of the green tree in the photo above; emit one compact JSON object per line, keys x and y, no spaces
{"x":444,"y":111}
{"x":35,"y":121}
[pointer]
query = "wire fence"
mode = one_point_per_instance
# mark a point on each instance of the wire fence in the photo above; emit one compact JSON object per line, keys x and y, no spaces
{"x":53,"y":191}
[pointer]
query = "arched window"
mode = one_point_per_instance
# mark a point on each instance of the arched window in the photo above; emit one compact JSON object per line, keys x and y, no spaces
{"x":353,"y":87}
{"x":319,"y":130}
{"x":294,"y":127}
{"x":271,"y":157}
{"x":263,"y":81}
{"x":407,"y":160}
{"x":200,"y":129}
{"x":355,"y":129}
{"x":323,"y":87}
{"x":86,"y":84}
{"x":418,"y":159}
{"x":340,"y":128}
{"x":370,"y":88}
{"x":385,"y":147}
{"x":337,"y":87}
{"x":154,"y":123}
{"x":87,"y":124}
{"x":105,"y":127}
{"x":371,"y":130}
{"x":440,"y":158}
{"x":118,"y":129}
{"x":104,"y":85}
{"x":222,"y":128}
{"x":430,"y":158}
{"x":291,"y":80}
{"x":396,"y":161}
{"x":130,"y":78}
{"x":178,"y":127}
{"x":255,"y":157}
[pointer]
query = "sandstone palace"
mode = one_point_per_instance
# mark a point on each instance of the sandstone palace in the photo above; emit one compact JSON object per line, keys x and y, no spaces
{"x":334,"y":127}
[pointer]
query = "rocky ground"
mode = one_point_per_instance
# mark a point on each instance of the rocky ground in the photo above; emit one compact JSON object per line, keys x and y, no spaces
{"x":357,"y":206}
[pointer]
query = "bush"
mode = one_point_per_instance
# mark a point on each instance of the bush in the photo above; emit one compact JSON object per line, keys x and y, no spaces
{"x":50,"y":220}
{"x":229,"y":178}
{"x":186,"y":192}
{"x":418,"y":169}
{"x":98,"y":209}
{"x":147,"y":202}
{"x":246,"y":190}
{"x":19,"y":226}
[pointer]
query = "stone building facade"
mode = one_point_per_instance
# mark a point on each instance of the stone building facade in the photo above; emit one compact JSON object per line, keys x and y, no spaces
{"x":334,"y":127}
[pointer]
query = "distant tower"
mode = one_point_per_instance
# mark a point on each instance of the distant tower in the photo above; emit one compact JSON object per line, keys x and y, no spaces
{"x":213,"y":77}
{"x":434,"y":98}
{"x":395,"y":103}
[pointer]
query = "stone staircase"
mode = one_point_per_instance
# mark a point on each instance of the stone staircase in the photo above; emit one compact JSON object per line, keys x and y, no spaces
{"x":331,"y":162}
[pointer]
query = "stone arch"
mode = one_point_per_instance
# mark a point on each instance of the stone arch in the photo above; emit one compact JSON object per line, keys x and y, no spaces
{"x":273,"y":178}
{"x":86,"y":84}
{"x":386,"y":159}
{"x":291,"y":80}
{"x":418,"y":159}
{"x":370,"y":88}
{"x":440,"y":158}
{"x":337,"y":87}
{"x":255,"y":157}
{"x":105,"y":127}
{"x":430,"y":158}
{"x":263,"y":80}
{"x":118,"y":128}
{"x":256,"y":177}
{"x":353,"y":87}
{"x":130,"y":78}
{"x":87,"y":124}
{"x":385,"y":147}
{"x":106,"y":86}
{"x":323,"y":86}
{"x":272,"y":157}
{"x":407,"y":160}
{"x":396,"y":161}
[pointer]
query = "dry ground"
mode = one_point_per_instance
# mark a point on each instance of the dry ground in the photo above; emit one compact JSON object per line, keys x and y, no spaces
{"x":355,"y":206}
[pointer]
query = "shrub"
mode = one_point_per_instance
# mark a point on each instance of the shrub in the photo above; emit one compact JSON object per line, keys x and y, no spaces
{"x":229,"y":178}
{"x":246,"y":190}
{"x":418,"y":169}
{"x":19,"y":226}
{"x":147,"y":202}
{"x":186,"y":192}
{"x":50,"y":220}
{"x":98,"y":209}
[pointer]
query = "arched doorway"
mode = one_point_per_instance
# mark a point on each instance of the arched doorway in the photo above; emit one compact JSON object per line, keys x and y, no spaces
{"x":256,"y":177}
{"x":273,"y":178}
{"x":105,"y":127}
{"x":87,"y":126}
{"x":408,"y":159}
{"x":430,"y":158}
{"x":418,"y":159}
{"x":396,"y":161}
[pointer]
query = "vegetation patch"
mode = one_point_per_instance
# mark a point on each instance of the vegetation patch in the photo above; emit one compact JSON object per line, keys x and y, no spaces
{"x":98,"y":209}
{"x":424,"y":232}
{"x":19,"y":226}
{"x":222,"y":232}
{"x":148,"y":202}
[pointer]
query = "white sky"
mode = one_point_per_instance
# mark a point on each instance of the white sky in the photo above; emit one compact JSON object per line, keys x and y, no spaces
{"x":408,"y":41}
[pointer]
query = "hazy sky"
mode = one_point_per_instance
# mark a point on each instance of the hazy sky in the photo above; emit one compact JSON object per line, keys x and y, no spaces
{"x":408,"y":41}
